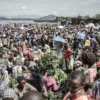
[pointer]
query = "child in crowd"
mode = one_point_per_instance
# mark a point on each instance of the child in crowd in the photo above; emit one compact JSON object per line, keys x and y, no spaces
{"x":67,"y":54}
{"x":76,"y":85}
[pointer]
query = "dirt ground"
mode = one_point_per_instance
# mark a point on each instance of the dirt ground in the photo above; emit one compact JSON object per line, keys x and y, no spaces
{"x":3,"y":61}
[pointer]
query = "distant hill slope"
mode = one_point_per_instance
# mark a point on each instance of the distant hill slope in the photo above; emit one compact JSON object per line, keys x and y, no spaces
{"x":22,"y":17}
{"x":49,"y":17}
{"x":3,"y":18}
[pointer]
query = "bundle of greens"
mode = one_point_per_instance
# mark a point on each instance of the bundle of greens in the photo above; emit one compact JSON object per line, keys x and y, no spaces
{"x":49,"y":63}
{"x":52,"y":96}
{"x":61,"y":77}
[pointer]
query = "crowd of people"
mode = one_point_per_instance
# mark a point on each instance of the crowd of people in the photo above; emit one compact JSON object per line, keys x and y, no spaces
{"x":23,"y":47}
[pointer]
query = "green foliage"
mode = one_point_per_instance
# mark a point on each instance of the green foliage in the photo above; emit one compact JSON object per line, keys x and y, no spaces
{"x":79,"y":16}
{"x":58,"y":96}
{"x":49,"y":17}
{"x":13,"y":82}
{"x":97,"y":16}
{"x":86,"y":16}
{"x":3,"y":18}
{"x":49,"y":63}
{"x":50,"y":94}
{"x":60,"y":76}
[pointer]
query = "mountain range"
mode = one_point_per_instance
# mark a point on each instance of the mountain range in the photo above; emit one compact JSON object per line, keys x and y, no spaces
{"x":49,"y":17}
{"x":23,"y":16}
{"x":33,"y":17}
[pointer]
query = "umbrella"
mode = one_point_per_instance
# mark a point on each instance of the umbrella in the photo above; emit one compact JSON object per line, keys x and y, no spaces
{"x":80,"y":35}
{"x":66,"y":35}
{"x":96,"y":27}
{"x":91,"y":25}
{"x":25,"y":28}
{"x":59,"y":39}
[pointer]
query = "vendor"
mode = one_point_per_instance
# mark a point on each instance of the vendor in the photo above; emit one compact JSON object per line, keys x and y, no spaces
{"x":50,"y":83}
{"x":22,"y":87}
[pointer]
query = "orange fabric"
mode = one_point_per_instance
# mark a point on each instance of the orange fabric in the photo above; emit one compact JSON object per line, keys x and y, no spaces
{"x":67,"y":52}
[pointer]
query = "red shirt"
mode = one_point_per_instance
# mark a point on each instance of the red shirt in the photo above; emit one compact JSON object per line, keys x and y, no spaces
{"x":67,"y":52}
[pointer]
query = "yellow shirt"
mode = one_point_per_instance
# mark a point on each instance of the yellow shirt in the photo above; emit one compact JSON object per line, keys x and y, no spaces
{"x":87,"y":43}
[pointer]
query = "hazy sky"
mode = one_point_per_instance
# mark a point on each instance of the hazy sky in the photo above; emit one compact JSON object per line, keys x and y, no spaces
{"x":46,"y":7}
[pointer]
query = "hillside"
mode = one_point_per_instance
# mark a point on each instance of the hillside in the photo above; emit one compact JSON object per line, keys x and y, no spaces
{"x":49,"y":17}
{"x":3,"y":18}
{"x":22,"y":16}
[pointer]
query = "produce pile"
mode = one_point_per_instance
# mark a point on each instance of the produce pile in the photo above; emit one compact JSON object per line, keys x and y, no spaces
{"x":50,"y":64}
{"x":60,"y":76}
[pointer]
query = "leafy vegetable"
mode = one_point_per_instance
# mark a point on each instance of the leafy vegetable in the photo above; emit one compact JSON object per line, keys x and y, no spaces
{"x":61,"y":77}
{"x":49,"y":63}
